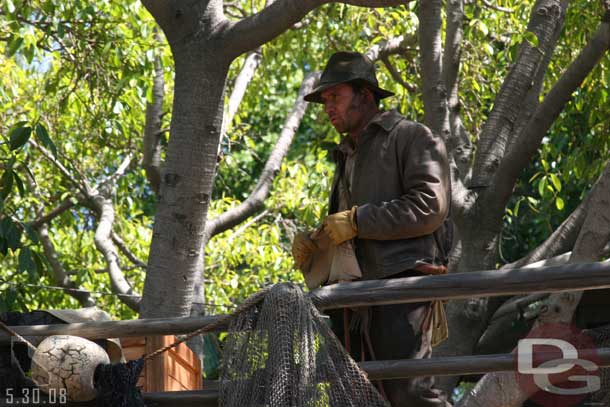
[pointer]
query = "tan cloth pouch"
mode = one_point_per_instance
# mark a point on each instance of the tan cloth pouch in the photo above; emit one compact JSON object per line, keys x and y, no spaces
{"x":440,"y":330}
{"x":344,"y":266}
{"x":329,"y":262}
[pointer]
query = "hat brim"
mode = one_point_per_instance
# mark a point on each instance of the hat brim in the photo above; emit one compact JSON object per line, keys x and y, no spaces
{"x":315,"y":95}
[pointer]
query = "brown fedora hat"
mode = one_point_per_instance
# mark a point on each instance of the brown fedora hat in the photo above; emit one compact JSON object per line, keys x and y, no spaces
{"x":344,"y":67}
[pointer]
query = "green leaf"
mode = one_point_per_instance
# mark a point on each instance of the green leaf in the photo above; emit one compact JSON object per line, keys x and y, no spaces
{"x":28,"y":52}
{"x":31,"y":233}
{"x":542,"y":186}
{"x":559,"y":203}
{"x":19,"y":184}
{"x":26,"y":263}
{"x":556,"y":182}
{"x":14,"y":46}
{"x":3,"y":246}
{"x":483,"y":28}
{"x":531,"y":38}
{"x":6,"y":183}
{"x":517,"y":205}
{"x":39,"y":262}
{"x":10,"y":296}
{"x":11,"y":233}
{"x":45,"y":139}
{"x":19,"y":136}
{"x":536,"y":175}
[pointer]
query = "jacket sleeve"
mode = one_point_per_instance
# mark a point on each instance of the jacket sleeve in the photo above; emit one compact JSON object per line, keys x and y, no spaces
{"x":426,"y":184}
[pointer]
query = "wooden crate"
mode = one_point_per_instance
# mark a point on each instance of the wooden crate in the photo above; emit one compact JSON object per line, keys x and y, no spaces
{"x":175,"y":370}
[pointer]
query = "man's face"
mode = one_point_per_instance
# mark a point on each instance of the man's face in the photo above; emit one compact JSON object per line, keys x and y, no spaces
{"x":344,"y":108}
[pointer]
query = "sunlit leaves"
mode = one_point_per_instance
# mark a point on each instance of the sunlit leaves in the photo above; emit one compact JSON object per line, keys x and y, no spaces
{"x":61,"y":88}
{"x":45,"y":139}
{"x":78,"y":76}
{"x":19,"y":136}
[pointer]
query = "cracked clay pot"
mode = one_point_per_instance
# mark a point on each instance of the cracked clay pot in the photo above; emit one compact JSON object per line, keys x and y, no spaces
{"x":67,"y":362}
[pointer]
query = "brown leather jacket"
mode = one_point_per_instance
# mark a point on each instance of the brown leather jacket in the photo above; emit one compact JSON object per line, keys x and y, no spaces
{"x":402,"y":188}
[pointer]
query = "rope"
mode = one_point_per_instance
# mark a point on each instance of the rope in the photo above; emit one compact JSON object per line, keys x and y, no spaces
{"x":251,"y":301}
{"x":15,"y":334}
{"x":101,"y":293}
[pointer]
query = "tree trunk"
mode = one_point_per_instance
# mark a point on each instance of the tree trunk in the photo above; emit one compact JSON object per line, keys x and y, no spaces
{"x":176,"y":255}
{"x":478,"y":236}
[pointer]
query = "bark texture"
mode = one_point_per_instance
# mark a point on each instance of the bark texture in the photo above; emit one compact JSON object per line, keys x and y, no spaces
{"x":152,"y":131}
{"x":501,"y":389}
{"x":508,"y":142}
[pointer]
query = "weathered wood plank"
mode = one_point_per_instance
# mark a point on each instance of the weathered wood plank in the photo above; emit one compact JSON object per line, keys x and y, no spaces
{"x":492,"y":283}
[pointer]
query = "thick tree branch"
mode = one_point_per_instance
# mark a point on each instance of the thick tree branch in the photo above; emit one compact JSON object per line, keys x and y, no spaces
{"x":257,"y":29}
{"x":396,"y":75}
{"x":527,"y":143}
{"x":102,"y":202}
{"x":595,"y":232}
{"x":57,"y":211}
{"x":547,"y":18}
{"x":383,"y":50}
{"x":260,"y":28}
{"x":152,"y":128}
{"x":161,"y":11}
{"x":181,"y":19}
{"x":60,"y":276}
{"x":459,"y":145}
{"x":492,"y":6}
{"x":518,"y":304}
{"x":434,"y":92}
{"x":452,"y":55}
{"x":532,"y":100}
{"x":501,"y":389}
{"x":395,"y":45}
{"x":104,"y":244}
{"x":242,"y":81}
{"x":256,"y":200}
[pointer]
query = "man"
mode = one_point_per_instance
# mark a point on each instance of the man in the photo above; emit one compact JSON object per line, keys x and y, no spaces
{"x":390,"y":198}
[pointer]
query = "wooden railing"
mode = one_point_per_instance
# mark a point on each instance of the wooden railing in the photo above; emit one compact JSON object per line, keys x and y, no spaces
{"x":588,"y":276}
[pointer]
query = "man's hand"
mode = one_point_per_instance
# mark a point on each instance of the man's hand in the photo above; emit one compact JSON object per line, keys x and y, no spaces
{"x":341,"y":226}
{"x":302,"y":248}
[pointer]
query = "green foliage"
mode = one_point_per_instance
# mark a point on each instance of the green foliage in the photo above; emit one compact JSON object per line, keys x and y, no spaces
{"x":75,"y":78}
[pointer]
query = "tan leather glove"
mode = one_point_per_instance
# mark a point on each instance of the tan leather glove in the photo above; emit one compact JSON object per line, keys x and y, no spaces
{"x":302,"y":248}
{"x":341,"y":226}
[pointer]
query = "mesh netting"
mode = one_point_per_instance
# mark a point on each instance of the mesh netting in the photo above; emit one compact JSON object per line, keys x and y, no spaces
{"x":116,"y":384}
{"x":281,"y":353}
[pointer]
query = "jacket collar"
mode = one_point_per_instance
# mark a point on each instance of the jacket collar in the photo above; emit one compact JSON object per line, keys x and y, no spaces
{"x":386,"y":120}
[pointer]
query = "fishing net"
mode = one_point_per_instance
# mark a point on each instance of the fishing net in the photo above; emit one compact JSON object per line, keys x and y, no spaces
{"x":281,"y":353}
{"x":116,"y":384}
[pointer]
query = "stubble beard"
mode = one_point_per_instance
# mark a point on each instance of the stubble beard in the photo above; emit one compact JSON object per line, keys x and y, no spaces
{"x":357,"y":108}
